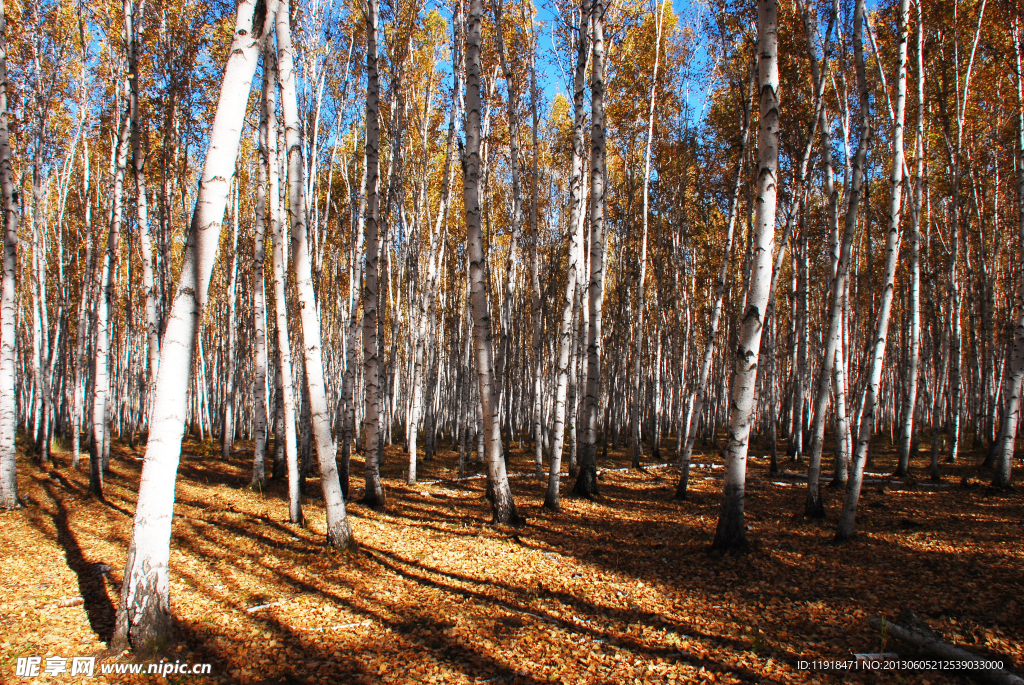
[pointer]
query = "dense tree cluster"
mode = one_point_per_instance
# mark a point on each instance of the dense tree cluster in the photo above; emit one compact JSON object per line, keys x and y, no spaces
{"x":779,"y":222}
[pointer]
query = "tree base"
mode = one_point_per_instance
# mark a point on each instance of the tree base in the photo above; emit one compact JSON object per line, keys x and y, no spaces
{"x":814,"y":508}
{"x":144,"y":625}
{"x":342,"y":539}
{"x":586,"y":483}
{"x":731,"y":534}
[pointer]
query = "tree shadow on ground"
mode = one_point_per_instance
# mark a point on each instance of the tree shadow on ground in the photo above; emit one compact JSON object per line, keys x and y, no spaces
{"x":90,"y":574}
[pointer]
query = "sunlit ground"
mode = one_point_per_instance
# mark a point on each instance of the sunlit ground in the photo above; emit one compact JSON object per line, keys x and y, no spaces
{"x":621,"y":590}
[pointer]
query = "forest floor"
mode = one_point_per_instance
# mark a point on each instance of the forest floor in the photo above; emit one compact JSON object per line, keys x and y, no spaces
{"x":619,"y":590}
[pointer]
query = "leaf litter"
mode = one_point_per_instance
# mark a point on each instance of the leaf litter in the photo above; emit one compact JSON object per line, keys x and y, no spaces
{"x":617,"y":590}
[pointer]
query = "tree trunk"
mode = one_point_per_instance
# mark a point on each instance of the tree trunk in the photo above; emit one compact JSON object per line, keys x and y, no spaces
{"x":840,"y":283}
{"x":634,"y":409}
{"x":574,"y":274}
{"x":586,"y":479}
{"x":339,"y":532}
{"x":731,"y":533}
{"x":1011,"y":408}
{"x":8,"y":294}
{"x":535,"y":295}
{"x":101,"y":362}
{"x":700,"y":394}
{"x":502,"y":504}
{"x":141,"y":199}
{"x":143,"y":615}
{"x":227,"y":430}
{"x":892,"y":246}
{"x":914,"y":305}
{"x":259,"y":298}
{"x":355,"y":276}
{"x":501,"y":362}
{"x":280,"y":265}
{"x":374,"y":494}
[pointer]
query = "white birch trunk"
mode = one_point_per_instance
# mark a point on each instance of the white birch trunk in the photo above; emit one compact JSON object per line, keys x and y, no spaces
{"x":141,"y":199}
{"x":586,"y":479}
{"x":373,"y":495}
{"x":700,"y":394}
{"x":101,"y":373}
{"x":143,"y":615}
{"x":279,"y":262}
{"x":227,"y":431}
{"x":814,"y":506}
{"x":914,"y":305}
{"x":339,"y":532}
{"x":731,"y":531}
{"x":1004,"y":447}
{"x":892,"y":247}
{"x":259,"y":298}
{"x":502,"y":504}
{"x":638,"y":321}
{"x":8,"y":294}
{"x":566,"y":334}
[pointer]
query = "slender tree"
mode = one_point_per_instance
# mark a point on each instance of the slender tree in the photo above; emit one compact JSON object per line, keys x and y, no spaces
{"x":1011,"y":407}
{"x":586,"y":479}
{"x":8,"y":293}
{"x":503,"y":506}
{"x":731,"y":533}
{"x":892,"y":248}
{"x":574,"y":272}
{"x":339,"y":532}
{"x":374,"y":494}
{"x":143,"y":613}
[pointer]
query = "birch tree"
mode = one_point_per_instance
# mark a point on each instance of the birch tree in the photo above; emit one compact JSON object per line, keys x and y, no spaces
{"x":339,"y":532}
{"x":8,"y":292}
{"x":374,"y":493}
{"x":503,"y":506}
{"x":577,"y":255}
{"x":1004,"y":447}
{"x":731,"y":532}
{"x":586,"y":479}
{"x":143,"y":613}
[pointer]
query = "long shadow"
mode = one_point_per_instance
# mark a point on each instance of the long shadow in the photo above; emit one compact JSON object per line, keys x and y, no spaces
{"x":470,"y":660}
{"x":91,"y":584}
{"x":391,"y":562}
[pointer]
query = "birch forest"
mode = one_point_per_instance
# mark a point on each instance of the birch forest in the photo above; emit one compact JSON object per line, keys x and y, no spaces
{"x":492,"y":341}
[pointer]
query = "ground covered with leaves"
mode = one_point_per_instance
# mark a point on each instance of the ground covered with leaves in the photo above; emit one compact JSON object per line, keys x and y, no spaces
{"x":618,"y":590}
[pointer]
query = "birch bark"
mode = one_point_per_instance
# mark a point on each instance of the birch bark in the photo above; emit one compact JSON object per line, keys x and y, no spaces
{"x":502,"y":505}
{"x":280,"y":266}
{"x":731,"y":532}
{"x":1011,"y":408}
{"x":101,"y":362}
{"x":813,"y":505}
{"x":374,"y":493}
{"x":638,"y":322}
{"x":700,"y":394}
{"x":914,"y":304}
{"x":143,"y":615}
{"x":574,"y":277}
{"x":339,"y":532}
{"x":892,"y":247}
{"x":586,"y":479}
{"x":141,"y":198}
{"x":8,"y":293}
{"x":259,"y":297}
{"x":227,"y":430}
